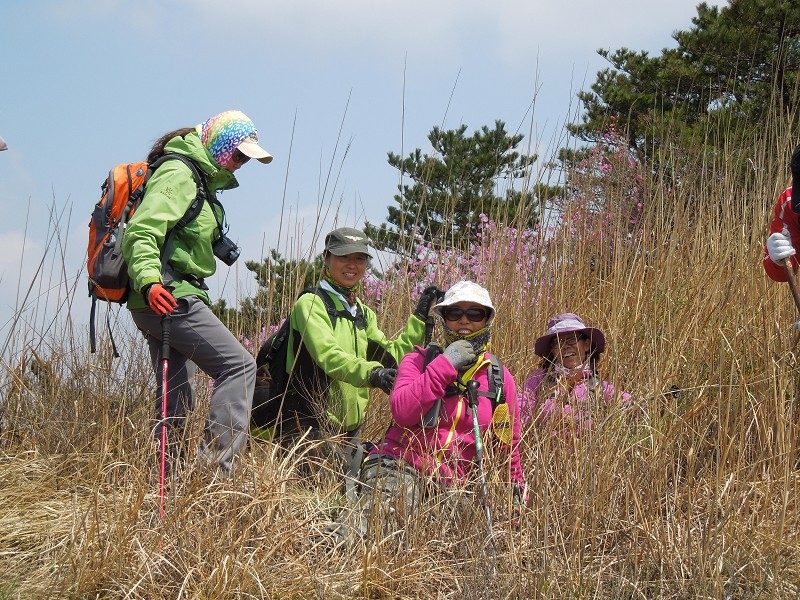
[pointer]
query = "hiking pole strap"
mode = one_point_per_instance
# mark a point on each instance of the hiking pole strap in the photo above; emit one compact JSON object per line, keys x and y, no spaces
{"x":472,"y":399}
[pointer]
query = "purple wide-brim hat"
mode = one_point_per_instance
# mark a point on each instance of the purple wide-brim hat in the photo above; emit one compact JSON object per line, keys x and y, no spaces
{"x":566,"y":323}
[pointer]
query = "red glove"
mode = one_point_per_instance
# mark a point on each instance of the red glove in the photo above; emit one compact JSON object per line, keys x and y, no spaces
{"x":159,"y":299}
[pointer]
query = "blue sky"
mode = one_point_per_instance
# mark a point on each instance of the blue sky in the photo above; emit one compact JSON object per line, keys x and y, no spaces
{"x":86,"y":84}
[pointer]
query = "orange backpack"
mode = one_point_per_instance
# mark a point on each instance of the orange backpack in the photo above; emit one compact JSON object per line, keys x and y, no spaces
{"x":122,"y":191}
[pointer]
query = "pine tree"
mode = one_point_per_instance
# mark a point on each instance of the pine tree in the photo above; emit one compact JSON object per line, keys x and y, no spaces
{"x":463,"y":177}
{"x":732,"y":68}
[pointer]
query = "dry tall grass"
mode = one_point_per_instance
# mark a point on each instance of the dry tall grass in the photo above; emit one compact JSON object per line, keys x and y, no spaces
{"x":692,"y":495}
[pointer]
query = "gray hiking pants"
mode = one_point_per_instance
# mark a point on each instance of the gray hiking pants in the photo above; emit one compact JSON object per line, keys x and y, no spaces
{"x":198,"y":338}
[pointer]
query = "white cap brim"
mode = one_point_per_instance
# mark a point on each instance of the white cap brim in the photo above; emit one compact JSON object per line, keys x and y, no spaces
{"x":253,"y":150}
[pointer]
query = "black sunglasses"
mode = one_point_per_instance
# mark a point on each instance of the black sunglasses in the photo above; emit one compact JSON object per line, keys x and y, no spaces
{"x":473,"y":314}
{"x":239,"y":158}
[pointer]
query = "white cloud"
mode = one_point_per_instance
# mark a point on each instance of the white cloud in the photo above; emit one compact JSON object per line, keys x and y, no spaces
{"x":510,"y":31}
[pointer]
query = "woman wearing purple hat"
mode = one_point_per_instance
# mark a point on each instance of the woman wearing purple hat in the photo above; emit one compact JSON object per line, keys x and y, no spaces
{"x":564,"y":390}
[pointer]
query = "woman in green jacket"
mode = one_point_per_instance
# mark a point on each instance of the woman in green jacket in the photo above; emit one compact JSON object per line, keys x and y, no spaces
{"x":168,"y":261}
{"x":351,"y":357}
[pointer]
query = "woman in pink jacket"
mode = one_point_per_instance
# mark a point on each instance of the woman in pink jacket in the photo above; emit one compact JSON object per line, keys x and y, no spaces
{"x":441,"y":452}
{"x":565,"y":391}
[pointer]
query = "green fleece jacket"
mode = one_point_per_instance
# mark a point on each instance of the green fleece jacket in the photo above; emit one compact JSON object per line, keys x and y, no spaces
{"x":341,"y":353}
{"x":167,"y":197}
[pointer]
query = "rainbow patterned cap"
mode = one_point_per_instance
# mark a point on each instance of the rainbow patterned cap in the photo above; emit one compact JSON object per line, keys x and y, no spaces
{"x":229,"y":131}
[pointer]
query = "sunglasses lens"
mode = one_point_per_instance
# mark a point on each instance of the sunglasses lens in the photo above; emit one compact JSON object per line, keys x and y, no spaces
{"x":473,"y":314}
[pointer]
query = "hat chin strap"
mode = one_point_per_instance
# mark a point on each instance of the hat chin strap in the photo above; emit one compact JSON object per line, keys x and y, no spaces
{"x":563,"y":371}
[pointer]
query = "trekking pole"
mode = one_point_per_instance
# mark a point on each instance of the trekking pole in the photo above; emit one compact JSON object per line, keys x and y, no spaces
{"x":795,"y":292}
{"x":166,"y":321}
{"x":472,"y":398}
{"x":431,"y":418}
{"x":430,"y":322}
{"x":429,"y":325}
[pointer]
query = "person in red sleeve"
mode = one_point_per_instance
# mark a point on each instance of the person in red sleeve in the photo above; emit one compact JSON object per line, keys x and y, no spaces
{"x":784,"y":240}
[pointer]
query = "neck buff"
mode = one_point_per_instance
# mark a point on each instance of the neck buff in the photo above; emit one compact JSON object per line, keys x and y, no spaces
{"x":350,"y":293}
{"x":221,"y":135}
{"x":479,"y":339}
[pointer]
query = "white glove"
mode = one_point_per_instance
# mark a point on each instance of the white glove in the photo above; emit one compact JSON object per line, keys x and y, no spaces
{"x":779,"y":247}
{"x":460,"y":354}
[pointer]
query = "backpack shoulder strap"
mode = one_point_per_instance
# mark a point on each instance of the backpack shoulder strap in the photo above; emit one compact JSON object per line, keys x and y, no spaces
{"x":498,"y":377}
{"x":496,"y":383}
{"x":202,"y":191}
{"x":330,"y":307}
{"x":334,"y":313}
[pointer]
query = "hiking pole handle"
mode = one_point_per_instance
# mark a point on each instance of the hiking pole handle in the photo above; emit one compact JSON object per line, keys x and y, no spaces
{"x":166,"y":323}
{"x":790,"y":277}
{"x":472,"y":393}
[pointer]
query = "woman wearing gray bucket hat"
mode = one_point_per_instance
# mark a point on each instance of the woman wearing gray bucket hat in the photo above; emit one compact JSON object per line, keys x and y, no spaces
{"x":565,"y":389}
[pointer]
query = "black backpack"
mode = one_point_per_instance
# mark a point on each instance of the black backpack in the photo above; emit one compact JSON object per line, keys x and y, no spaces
{"x":282,"y":398}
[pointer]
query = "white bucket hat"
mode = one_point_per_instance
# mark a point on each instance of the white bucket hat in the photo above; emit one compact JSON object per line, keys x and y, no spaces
{"x":466,"y":291}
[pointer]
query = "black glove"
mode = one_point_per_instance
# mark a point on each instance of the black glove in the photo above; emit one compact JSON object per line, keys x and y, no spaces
{"x":429,"y":295}
{"x":383,"y":378}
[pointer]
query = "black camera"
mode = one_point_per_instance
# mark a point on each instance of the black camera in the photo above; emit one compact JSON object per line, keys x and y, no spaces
{"x":226,"y":250}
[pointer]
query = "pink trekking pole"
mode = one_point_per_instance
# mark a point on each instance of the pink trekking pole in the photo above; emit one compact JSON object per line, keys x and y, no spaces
{"x":165,"y":334}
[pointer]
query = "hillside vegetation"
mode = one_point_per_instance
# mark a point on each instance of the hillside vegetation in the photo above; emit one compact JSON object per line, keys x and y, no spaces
{"x":692,"y":494}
